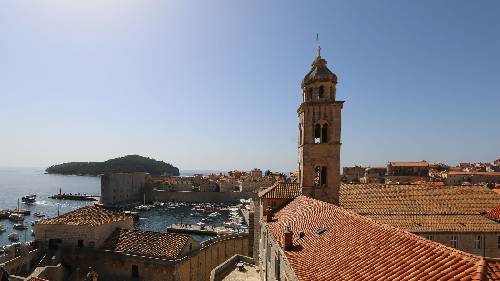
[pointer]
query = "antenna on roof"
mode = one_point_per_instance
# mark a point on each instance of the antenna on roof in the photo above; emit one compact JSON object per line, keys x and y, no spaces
{"x":317,"y":43}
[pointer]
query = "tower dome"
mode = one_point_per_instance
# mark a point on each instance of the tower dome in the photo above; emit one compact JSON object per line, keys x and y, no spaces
{"x":319,"y":72}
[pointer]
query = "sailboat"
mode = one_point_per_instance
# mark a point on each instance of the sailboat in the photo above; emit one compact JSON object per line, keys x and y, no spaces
{"x":143,"y":207}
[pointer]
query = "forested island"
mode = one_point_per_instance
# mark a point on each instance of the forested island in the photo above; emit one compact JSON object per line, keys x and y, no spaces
{"x":126,"y":164}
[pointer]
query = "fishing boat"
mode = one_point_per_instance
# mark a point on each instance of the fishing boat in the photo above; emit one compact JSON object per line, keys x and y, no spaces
{"x":16,"y":217}
{"x":38,"y":215}
{"x":29,"y":199}
{"x":20,"y":226}
{"x":13,"y":236}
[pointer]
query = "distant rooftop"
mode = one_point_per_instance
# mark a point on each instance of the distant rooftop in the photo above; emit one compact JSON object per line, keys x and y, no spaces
{"x":90,"y":216}
{"x":281,"y":190}
{"x":147,"y":243}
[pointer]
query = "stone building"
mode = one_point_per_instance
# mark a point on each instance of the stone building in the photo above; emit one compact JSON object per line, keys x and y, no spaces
{"x":319,"y":133}
{"x":458,"y":178}
{"x":313,"y":240}
{"x":277,"y":196}
{"x":374,"y":175}
{"x":353,"y":174}
{"x":122,"y":188}
{"x":407,"y":172}
{"x":84,"y":227}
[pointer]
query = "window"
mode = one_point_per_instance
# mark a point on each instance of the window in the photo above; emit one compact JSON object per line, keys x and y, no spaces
{"x":135,"y":271}
{"x":309,"y":93}
{"x":454,"y":241}
{"x":321,"y":92}
{"x":477,"y":243}
{"x":320,"y":176}
{"x":324,"y":133}
{"x":277,"y":268}
{"x":80,"y":243}
{"x":323,"y":176}
{"x":317,"y":133}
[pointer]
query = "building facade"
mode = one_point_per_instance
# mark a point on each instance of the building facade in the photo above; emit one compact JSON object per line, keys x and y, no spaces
{"x":319,"y":133}
{"x":122,"y":188}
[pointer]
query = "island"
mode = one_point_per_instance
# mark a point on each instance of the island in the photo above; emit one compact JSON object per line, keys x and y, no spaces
{"x":126,"y":164}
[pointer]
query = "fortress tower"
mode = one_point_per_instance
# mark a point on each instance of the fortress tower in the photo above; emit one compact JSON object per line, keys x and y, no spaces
{"x":319,"y":133}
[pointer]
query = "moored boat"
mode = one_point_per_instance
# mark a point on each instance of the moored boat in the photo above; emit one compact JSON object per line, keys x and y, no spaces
{"x":29,"y":199}
{"x":13,"y":236}
{"x":20,"y":226}
{"x":16,"y":217}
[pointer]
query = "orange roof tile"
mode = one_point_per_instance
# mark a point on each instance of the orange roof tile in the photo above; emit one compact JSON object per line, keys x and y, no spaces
{"x":385,"y":199}
{"x":90,"y":215}
{"x":357,"y":248}
{"x":147,"y":243}
{"x":281,"y":190}
{"x":474,"y":173}
{"x":494,"y":213}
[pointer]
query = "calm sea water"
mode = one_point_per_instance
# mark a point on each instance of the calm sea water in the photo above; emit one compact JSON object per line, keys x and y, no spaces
{"x":17,"y":182}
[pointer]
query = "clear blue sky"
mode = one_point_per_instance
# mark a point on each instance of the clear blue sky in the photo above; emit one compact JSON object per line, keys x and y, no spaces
{"x":216,"y":84}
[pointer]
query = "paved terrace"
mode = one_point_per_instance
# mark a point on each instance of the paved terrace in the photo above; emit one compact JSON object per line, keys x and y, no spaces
{"x":229,"y":271}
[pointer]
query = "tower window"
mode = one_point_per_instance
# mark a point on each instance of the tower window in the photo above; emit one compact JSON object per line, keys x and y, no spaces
{"x":321,"y":92}
{"x":320,"y":175}
{"x":309,"y":93}
{"x":317,"y":133}
{"x":324,"y":133}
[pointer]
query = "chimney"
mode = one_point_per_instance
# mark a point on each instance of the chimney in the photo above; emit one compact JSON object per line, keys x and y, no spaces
{"x":269,"y":215}
{"x":288,"y":244}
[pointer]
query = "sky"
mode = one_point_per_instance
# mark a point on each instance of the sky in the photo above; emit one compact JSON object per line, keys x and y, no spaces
{"x":216,"y":84}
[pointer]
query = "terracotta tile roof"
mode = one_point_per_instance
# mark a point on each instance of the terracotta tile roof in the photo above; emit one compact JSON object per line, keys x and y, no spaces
{"x":474,"y":173}
{"x":441,"y":223}
{"x":409,"y":164}
{"x":386,"y":199}
{"x":494,"y":213}
{"x":281,"y":190}
{"x":147,"y":243}
{"x":91,"y":216}
{"x":357,"y":248}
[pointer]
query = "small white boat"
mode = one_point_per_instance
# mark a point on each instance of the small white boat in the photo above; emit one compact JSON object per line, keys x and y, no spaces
{"x":200,"y":223}
{"x":20,"y":226}
{"x":16,"y":217}
{"x":143,"y":208}
{"x":38,"y":215}
{"x":13,"y":236}
{"x":214,"y":214}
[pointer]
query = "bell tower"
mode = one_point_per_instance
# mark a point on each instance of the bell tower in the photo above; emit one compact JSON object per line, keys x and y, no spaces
{"x":319,"y":133}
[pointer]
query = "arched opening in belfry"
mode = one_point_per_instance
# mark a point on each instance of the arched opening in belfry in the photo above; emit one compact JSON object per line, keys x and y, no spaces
{"x":317,"y":133}
{"x":324,"y":133}
{"x":320,"y":176}
{"x":309,"y":93}
{"x":321,"y":92}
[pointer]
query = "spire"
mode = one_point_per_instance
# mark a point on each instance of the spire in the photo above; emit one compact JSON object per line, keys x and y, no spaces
{"x":319,"y":47}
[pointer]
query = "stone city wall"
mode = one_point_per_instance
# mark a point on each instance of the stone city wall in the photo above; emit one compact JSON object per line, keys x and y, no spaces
{"x":198,"y":265}
{"x":22,"y":264}
{"x":216,"y":197}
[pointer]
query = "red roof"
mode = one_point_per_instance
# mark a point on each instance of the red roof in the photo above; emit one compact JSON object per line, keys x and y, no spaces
{"x":494,"y":213}
{"x":474,"y":173}
{"x":281,"y":190}
{"x":357,"y":248}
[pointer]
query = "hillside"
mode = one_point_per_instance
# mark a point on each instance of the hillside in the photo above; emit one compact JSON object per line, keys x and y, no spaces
{"x":126,"y":164}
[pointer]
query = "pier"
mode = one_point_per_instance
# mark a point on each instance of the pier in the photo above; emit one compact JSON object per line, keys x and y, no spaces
{"x":76,"y":197}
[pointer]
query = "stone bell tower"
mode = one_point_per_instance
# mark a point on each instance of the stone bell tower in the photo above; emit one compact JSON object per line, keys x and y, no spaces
{"x":319,"y":133}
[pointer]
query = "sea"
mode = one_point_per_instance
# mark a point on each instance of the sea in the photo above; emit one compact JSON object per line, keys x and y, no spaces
{"x":17,"y":182}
